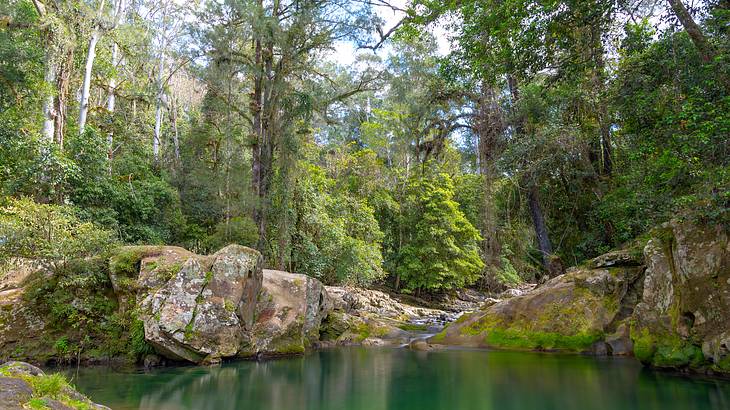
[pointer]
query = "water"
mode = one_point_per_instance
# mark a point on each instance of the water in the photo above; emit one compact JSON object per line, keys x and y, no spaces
{"x":372,"y":379}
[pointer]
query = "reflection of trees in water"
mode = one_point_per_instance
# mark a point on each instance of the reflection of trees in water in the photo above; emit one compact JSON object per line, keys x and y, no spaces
{"x":351,"y":379}
{"x":359,"y":379}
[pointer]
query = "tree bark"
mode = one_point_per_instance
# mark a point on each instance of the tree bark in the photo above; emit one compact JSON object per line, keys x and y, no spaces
{"x":156,"y":137}
{"x":111,"y":105}
{"x":538,"y":221}
{"x":85,"y":89}
{"x":694,"y":31}
{"x":49,"y":121}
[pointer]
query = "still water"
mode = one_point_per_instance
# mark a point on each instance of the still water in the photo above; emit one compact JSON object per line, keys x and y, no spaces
{"x":373,"y":379}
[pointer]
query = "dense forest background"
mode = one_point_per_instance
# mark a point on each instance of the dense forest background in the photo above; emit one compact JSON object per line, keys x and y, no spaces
{"x":552,"y":132}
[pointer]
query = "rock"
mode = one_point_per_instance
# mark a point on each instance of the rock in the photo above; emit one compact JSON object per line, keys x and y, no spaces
{"x":511,"y":293}
{"x":367,"y":301}
{"x":16,"y":390}
{"x":682,"y":320}
{"x":619,"y":343}
{"x":14,"y":393}
{"x":570,"y":312}
{"x":21,"y":368}
{"x":289,"y":313}
{"x":367,"y":329}
{"x":203,"y":310}
{"x":625,"y":257}
{"x":16,"y":272}
{"x":151,"y":361}
{"x":419,"y":345}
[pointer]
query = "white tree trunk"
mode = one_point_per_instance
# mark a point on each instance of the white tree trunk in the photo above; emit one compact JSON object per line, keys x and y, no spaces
{"x":90,"y":56}
{"x":48,"y":120}
{"x":158,"y":109}
{"x":111,"y":104}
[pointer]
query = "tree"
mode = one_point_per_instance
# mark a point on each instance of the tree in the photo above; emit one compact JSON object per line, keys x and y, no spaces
{"x":440,"y":250}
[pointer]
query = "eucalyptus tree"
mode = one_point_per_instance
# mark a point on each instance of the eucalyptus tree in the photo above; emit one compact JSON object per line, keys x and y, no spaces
{"x":100,"y":25}
{"x":274,"y":46}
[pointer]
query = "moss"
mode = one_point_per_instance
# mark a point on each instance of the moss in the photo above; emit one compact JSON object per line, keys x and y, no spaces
{"x":37,"y":404}
{"x":723,"y":365}
{"x":229,"y":306}
{"x":644,"y":347}
{"x":438,"y":338}
{"x":663,"y":350}
{"x":189,"y":331}
{"x":49,"y":386}
{"x":520,"y":339}
{"x":208,"y":277}
{"x":521,"y":336}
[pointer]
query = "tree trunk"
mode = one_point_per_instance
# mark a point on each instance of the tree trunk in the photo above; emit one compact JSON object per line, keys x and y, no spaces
{"x":693,"y":30}
{"x":538,"y":221}
{"x":156,"y":138}
{"x":175,"y":133}
{"x":256,"y":113}
{"x":49,"y":121}
{"x":63,"y":80}
{"x":85,"y":89}
{"x":551,"y":264}
{"x":604,"y":120}
{"x":111,"y":105}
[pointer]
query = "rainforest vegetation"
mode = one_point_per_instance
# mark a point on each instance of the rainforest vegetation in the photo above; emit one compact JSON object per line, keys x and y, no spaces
{"x":422,"y":146}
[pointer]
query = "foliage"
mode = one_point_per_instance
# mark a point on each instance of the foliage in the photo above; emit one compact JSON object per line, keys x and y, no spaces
{"x":337,"y":238}
{"x":441,"y":249}
{"x":50,"y":233}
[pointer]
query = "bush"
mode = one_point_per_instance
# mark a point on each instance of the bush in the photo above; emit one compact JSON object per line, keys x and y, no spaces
{"x":51,"y":234}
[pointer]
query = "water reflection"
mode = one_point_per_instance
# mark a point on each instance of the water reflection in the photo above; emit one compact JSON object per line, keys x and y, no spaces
{"x":360,"y":379}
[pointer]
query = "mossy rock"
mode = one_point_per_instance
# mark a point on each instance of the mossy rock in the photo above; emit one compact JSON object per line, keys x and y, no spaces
{"x":26,"y":386}
{"x":571,"y":313}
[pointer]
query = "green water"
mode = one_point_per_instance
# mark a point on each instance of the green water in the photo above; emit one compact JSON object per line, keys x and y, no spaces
{"x":359,"y":379}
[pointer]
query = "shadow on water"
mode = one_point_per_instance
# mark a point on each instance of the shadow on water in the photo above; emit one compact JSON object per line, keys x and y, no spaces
{"x":371,"y":379}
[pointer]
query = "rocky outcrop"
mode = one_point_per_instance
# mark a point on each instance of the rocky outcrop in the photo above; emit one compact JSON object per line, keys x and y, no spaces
{"x":683,"y":318}
{"x":289,"y":313}
{"x":666,"y":300}
{"x":368,"y":317}
{"x":23,"y":386}
{"x":205,"y":308}
{"x":202,"y":311}
{"x":571,"y":312}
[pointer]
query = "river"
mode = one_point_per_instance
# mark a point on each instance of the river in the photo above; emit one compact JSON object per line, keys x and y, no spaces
{"x":373,"y":379}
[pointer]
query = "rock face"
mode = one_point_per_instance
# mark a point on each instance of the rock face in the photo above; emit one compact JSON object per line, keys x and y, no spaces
{"x":202,"y":310}
{"x":571,"y":312}
{"x":683,"y":319}
{"x":18,"y":383}
{"x":289,"y":313}
{"x":667,"y":303}
{"x":205,"y":308}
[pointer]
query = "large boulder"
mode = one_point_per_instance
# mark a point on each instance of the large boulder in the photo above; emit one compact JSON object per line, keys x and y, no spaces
{"x":289,"y":314}
{"x":683,"y":318}
{"x":571,"y":312}
{"x":198,"y":308}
